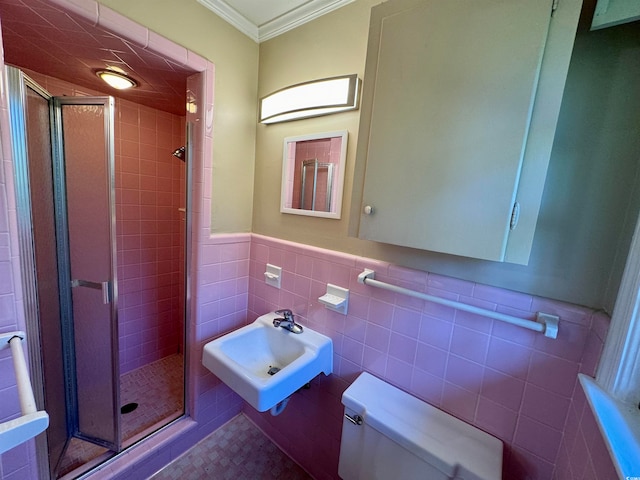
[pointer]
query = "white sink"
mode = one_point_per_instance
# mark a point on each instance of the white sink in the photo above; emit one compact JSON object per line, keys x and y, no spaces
{"x":243,"y":358}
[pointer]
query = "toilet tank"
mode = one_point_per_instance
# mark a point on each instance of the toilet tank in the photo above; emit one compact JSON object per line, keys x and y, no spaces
{"x":389,"y":434}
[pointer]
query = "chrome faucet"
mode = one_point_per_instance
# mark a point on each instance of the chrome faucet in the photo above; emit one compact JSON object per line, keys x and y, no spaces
{"x":287,"y":322}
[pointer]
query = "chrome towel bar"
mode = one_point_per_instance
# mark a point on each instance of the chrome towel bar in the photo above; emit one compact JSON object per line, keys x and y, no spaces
{"x":544,"y":323}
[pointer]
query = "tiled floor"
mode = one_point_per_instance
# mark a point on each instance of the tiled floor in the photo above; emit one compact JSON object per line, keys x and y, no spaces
{"x":157,"y":388}
{"x":238,"y":450}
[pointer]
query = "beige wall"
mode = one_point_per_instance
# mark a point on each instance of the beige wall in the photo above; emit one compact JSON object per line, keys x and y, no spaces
{"x":334,"y":44}
{"x":581,"y":229}
{"x":235,"y":57}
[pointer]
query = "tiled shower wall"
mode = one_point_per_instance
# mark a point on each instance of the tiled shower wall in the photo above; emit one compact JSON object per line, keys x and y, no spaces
{"x":149,"y":226}
{"x":150,"y":202}
{"x":511,"y":382}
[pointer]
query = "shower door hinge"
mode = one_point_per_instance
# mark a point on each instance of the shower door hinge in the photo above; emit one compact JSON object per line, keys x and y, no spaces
{"x":515,"y":216}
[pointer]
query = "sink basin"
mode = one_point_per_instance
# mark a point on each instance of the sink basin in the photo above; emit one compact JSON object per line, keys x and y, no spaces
{"x":266,"y":364}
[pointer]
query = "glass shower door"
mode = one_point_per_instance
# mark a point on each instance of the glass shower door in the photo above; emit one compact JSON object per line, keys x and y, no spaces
{"x":29,"y":106}
{"x":85,"y":167}
{"x":63,"y":154}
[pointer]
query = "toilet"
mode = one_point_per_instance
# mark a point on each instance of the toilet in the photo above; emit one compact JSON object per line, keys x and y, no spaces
{"x":389,"y":434}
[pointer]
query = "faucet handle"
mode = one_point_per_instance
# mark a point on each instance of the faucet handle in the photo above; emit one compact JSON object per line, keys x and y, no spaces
{"x":286,"y":313}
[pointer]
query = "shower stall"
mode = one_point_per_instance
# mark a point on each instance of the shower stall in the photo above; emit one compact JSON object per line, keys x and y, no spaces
{"x":103,"y":269}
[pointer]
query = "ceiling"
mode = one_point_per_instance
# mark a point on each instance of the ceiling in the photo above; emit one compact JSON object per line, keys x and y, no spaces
{"x":40,"y":36}
{"x":265,"y":19}
{"x":44,"y":38}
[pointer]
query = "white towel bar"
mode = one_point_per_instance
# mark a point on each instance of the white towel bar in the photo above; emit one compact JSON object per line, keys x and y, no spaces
{"x":32,"y":422}
{"x":545,"y":323}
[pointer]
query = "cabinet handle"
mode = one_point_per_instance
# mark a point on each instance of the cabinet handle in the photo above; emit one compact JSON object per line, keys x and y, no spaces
{"x":368,"y":210}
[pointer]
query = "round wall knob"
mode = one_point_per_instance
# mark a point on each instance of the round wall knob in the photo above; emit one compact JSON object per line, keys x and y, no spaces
{"x":368,"y":210}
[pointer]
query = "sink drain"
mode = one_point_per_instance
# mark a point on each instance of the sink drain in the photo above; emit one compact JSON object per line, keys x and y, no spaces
{"x":273,"y":370}
{"x":128,"y":408}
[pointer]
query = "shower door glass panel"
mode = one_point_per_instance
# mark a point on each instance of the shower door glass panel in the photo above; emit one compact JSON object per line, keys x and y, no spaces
{"x":46,"y":262}
{"x":31,"y":145}
{"x":87,"y":129}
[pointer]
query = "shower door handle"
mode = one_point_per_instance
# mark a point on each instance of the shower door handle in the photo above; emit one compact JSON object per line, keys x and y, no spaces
{"x":105,"y":287}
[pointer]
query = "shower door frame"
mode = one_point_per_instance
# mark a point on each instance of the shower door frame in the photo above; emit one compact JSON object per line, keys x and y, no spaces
{"x":67,"y":283}
{"x":18,"y":83}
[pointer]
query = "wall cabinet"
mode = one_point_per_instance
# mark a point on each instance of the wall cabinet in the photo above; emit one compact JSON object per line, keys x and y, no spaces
{"x":460,"y":104}
{"x":615,"y":12}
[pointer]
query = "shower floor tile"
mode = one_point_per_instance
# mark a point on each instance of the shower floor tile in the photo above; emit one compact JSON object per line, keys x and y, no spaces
{"x":157,"y":388}
{"x":238,"y":450}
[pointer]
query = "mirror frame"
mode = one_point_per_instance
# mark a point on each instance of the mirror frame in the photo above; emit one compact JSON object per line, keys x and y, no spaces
{"x":338,"y":183}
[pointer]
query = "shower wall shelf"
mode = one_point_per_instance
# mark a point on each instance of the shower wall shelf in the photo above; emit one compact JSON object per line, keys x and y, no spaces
{"x":544,"y":323}
{"x":32,"y":422}
{"x":336,"y":298}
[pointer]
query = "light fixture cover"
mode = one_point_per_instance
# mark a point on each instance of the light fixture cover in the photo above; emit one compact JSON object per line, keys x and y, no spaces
{"x":311,"y":99}
{"x":116,"y":80}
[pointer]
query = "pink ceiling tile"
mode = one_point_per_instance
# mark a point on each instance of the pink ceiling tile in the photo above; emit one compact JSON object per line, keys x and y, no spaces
{"x":17,"y":13}
{"x":110,"y":42}
{"x":14,"y":30}
{"x":61,"y":20}
{"x":65,"y":44}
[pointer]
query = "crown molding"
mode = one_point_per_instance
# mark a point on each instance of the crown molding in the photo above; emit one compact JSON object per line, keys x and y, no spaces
{"x":279,"y":25}
{"x":230,"y":15}
{"x":299,"y":16}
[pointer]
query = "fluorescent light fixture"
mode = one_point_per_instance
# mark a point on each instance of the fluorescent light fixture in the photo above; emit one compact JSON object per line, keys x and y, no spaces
{"x":116,"y":79}
{"x":311,"y":99}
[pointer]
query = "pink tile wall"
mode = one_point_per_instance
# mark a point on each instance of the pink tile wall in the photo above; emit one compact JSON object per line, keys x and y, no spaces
{"x":513,"y":383}
{"x":219,"y":271}
{"x":583,"y":453}
{"x":150,"y":233}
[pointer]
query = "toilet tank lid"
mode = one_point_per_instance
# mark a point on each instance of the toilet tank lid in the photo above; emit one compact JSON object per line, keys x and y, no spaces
{"x":445,"y":442}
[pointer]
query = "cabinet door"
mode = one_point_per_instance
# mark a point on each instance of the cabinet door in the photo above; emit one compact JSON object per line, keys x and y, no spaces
{"x":454,"y":83}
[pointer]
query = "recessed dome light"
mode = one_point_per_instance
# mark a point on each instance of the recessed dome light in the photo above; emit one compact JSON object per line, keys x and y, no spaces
{"x":116,"y":80}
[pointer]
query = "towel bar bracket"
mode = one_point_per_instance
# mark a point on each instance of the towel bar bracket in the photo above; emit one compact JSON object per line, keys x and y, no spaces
{"x":5,"y":338}
{"x":550,"y":323}
{"x":32,"y":422}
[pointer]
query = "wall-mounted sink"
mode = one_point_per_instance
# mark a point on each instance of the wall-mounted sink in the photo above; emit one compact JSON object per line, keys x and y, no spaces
{"x":266,"y":364}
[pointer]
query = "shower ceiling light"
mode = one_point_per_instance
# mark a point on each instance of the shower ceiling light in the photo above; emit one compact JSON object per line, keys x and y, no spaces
{"x":116,"y":79}
{"x":311,"y":99}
